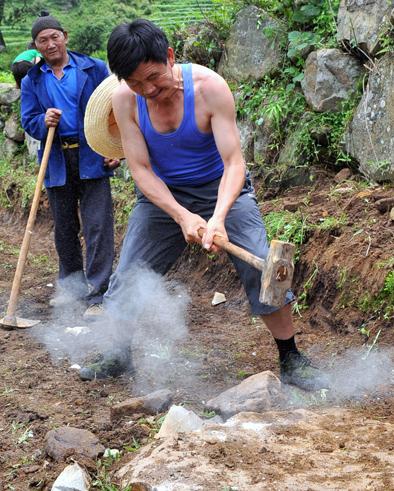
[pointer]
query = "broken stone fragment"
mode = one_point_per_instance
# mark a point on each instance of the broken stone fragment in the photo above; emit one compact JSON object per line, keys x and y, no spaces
{"x":257,"y":393}
{"x":154,"y":403}
{"x":218,"y":298}
{"x":179,"y":420}
{"x":72,"y":478}
{"x":66,"y":441}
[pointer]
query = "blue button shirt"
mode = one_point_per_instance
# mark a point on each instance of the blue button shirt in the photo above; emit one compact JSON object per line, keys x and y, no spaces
{"x":63,"y":93}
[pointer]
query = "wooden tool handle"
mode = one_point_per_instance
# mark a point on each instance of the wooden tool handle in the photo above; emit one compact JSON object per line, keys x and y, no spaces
{"x":237,"y":251}
{"x":29,"y":227}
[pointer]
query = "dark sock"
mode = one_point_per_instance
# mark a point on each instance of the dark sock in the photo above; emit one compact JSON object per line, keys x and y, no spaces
{"x":286,"y":346}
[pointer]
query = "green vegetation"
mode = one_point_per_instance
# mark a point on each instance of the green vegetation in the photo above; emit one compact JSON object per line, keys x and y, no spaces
{"x":287,"y":226}
{"x":90,"y":23}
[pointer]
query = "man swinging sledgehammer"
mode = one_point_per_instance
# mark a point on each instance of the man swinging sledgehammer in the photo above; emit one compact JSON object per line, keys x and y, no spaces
{"x":178,"y":132}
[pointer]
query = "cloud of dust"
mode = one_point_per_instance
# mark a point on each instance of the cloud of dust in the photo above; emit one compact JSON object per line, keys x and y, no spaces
{"x":359,"y":373}
{"x":146,"y":317}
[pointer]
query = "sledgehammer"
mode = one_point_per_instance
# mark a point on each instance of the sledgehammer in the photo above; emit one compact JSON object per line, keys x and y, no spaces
{"x":276,"y":271}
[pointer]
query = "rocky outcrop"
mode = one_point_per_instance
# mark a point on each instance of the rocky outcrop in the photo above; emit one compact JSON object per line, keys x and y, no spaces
{"x":257,"y":452}
{"x":330,"y":76}
{"x":370,"y":136}
{"x":246,"y":133}
{"x":253,"y":48}
{"x":8,"y":94}
{"x":263,"y":136}
{"x":361,"y":22}
{"x":13,"y":130}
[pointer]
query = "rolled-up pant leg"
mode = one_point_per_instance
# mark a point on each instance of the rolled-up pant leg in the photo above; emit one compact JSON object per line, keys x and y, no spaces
{"x":245,"y":228}
{"x":98,"y":231}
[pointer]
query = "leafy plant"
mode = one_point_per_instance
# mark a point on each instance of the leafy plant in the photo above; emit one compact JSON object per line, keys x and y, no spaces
{"x":287,"y":226}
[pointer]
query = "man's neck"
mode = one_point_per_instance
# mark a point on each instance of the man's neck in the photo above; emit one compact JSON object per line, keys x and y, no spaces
{"x":58,"y":66}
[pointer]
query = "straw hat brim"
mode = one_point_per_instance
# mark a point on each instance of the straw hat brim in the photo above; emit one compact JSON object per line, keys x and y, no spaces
{"x":101,"y":131}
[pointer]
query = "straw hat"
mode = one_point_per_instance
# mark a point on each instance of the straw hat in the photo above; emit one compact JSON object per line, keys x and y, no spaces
{"x":101,"y":131}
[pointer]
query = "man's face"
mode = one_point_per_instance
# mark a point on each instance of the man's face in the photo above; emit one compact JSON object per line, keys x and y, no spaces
{"x":52,"y":44}
{"x":152,"y":80}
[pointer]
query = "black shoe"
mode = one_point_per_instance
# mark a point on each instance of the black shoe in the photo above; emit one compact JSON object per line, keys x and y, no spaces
{"x":298,"y":370}
{"x":109,"y":365}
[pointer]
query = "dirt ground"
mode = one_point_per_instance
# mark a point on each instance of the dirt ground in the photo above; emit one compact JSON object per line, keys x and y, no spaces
{"x":224,"y":343}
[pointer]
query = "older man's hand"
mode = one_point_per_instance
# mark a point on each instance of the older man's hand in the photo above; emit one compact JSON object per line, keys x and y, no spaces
{"x":52,"y":117}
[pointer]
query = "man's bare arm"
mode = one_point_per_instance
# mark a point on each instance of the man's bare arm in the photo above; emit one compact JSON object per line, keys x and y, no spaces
{"x":223,"y":122}
{"x":147,"y":181}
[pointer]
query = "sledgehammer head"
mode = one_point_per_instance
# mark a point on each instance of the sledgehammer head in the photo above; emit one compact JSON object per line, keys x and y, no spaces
{"x":277,"y":273}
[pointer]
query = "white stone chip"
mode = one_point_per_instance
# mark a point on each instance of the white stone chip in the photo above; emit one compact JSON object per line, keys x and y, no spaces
{"x":73,"y":478}
{"x":218,"y":298}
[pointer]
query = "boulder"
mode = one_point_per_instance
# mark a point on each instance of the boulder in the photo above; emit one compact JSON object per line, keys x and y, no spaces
{"x":13,"y":130}
{"x":361,"y":22}
{"x":198,"y":37}
{"x":330,"y":77}
{"x":250,"y":51}
{"x":263,"y":137}
{"x":32,"y":145}
{"x":237,"y":454}
{"x":9,"y":148}
{"x":257,"y":393}
{"x":246,"y":133}
{"x":153,"y":403}
{"x":369,"y":138}
{"x":8,"y":94}
{"x":67,"y":441}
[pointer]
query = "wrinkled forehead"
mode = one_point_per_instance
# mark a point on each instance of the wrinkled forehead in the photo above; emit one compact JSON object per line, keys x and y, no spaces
{"x":47,"y":34}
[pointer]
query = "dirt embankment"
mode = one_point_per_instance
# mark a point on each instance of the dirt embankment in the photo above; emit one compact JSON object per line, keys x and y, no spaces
{"x":343,"y":263}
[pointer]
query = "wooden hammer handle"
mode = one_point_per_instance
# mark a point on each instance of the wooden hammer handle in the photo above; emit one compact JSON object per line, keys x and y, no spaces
{"x":237,"y":251}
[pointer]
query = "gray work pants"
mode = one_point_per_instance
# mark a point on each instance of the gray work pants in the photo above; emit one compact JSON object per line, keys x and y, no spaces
{"x":155,"y":240}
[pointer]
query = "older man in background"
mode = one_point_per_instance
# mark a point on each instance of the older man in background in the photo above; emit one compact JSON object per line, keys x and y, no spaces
{"x":55,"y":93}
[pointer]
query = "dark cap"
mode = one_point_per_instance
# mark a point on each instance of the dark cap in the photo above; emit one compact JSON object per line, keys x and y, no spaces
{"x":47,"y":22}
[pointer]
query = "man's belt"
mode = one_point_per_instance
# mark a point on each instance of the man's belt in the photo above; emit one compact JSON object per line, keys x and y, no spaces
{"x":68,"y":143}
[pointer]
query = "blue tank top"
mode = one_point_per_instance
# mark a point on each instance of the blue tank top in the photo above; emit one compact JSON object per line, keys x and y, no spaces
{"x":186,"y":156}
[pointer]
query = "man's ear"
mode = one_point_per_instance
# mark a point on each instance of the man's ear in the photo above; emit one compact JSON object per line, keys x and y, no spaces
{"x":171,"y":56}
{"x":65,"y":34}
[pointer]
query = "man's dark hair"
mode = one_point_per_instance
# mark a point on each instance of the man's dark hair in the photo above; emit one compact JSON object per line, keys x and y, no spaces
{"x":134,"y":43}
{"x":19,"y":70}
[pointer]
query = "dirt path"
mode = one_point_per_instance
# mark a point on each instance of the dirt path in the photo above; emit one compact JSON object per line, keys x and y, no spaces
{"x":223,"y":344}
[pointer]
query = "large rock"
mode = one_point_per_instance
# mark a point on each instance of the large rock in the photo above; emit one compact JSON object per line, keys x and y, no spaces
{"x":9,"y":148}
{"x":32,"y":145}
{"x":290,"y":450}
{"x":246,"y":133}
{"x":330,"y":76}
{"x":257,"y":393}
{"x":361,"y":22}
{"x":263,"y":137}
{"x":8,"y":94}
{"x":13,"y":130}
{"x":370,"y":136}
{"x":66,"y":441}
{"x":250,"y":52}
